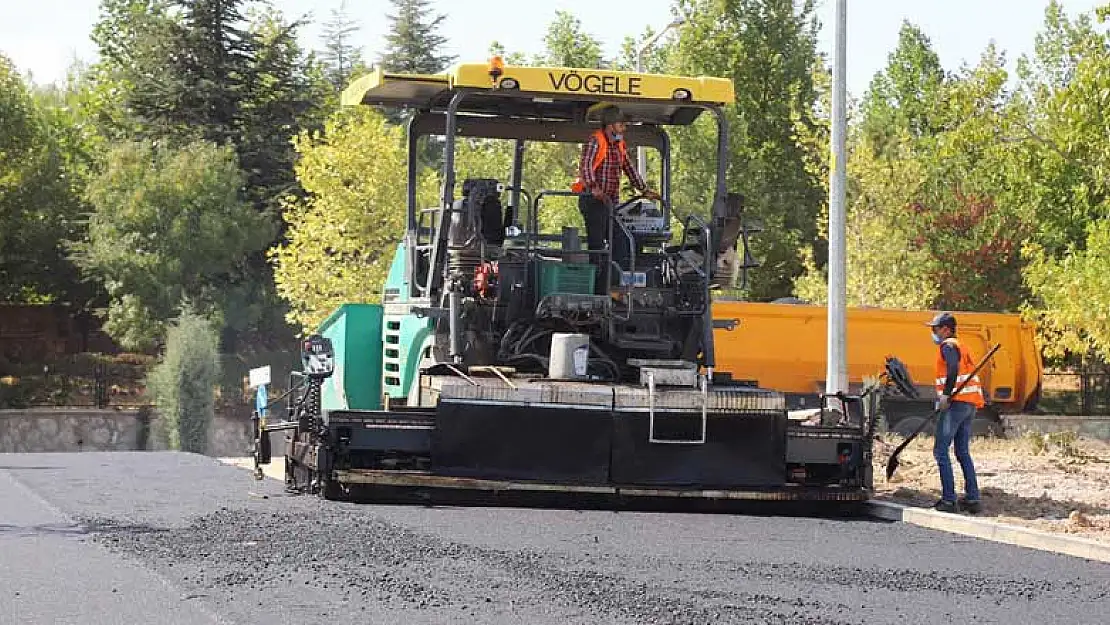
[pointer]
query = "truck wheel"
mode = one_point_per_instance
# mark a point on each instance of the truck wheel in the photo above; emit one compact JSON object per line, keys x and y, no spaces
{"x":908,"y":425}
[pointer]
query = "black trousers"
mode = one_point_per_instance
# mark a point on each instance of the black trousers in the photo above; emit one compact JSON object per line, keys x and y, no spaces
{"x":596,"y":215}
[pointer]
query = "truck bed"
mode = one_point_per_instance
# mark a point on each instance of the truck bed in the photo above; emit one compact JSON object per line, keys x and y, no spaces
{"x":782,"y":347}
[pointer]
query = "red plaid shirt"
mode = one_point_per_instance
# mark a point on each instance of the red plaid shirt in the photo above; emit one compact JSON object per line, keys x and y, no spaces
{"x":607,"y":176}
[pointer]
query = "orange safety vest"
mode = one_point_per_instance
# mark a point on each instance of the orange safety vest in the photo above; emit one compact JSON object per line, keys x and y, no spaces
{"x":602,"y":150}
{"x":972,"y":392}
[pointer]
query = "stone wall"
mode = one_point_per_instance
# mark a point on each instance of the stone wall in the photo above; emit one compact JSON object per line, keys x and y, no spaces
{"x":86,"y":429}
{"x":1090,"y":427}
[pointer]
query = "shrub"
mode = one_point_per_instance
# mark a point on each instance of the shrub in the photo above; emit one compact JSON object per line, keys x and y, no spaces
{"x":183,"y":384}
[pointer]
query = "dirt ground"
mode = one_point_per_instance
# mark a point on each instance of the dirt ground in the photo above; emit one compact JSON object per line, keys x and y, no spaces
{"x":1055,"y":482}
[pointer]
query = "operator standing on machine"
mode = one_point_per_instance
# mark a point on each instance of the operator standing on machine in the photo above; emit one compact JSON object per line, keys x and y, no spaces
{"x":954,"y":365}
{"x":599,"y":173}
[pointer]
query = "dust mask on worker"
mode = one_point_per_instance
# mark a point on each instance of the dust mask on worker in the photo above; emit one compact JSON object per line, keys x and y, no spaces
{"x":936,"y":339}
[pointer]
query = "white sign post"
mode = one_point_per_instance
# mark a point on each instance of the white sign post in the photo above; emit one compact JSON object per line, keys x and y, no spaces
{"x":259,"y":376}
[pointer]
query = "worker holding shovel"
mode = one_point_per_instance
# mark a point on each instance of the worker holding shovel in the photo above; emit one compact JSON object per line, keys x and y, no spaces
{"x":955,"y":365}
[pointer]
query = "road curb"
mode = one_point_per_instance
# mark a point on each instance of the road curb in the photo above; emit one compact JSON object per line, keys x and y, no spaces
{"x":991,"y":530}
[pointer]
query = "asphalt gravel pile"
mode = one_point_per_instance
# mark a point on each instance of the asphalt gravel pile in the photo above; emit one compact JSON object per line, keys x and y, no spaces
{"x":283,"y":559}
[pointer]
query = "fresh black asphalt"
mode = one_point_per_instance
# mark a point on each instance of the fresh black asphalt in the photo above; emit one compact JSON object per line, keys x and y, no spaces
{"x":173,"y":538}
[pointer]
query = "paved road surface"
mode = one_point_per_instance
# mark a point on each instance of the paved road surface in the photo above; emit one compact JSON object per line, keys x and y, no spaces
{"x":176,"y":538}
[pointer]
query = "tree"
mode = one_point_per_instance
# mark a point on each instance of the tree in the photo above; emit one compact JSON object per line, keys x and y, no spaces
{"x":655,"y":60}
{"x":768,"y":49}
{"x":211,"y":74}
{"x":44,"y":158}
{"x":971,"y":226}
{"x":413,"y":46}
{"x":905,"y":95}
{"x":225,"y":72}
{"x":340,"y":56}
{"x":1058,"y":50}
{"x":930,"y":222}
{"x":168,"y":225}
{"x":1072,"y":303}
{"x":197,"y":76}
{"x":130,"y":35}
{"x":888,"y":268}
{"x":341,"y":236}
{"x":1062,"y":182}
{"x":285,"y":96}
{"x":568,"y":45}
{"x":183,"y":383}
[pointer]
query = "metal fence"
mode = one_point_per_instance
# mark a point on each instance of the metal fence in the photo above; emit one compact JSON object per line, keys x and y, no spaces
{"x":81,"y":381}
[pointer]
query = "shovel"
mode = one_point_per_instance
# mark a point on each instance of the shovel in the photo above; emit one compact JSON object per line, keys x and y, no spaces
{"x":892,"y":464}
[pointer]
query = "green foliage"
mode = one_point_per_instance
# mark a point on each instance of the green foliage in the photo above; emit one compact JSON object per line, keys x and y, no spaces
{"x":655,"y":59}
{"x":1072,"y":293}
{"x":951,"y":174}
{"x":567,"y":44}
{"x":183,"y":384}
{"x":515,"y":58}
{"x":44,"y":159}
{"x":287,"y":93}
{"x":885,"y":270}
{"x":193,"y":74}
{"x":167,"y":225}
{"x":931,"y":222}
{"x":1060,"y":178}
{"x":130,"y":35}
{"x":1058,"y":49}
{"x":971,"y":226}
{"x":213,"y":70}
{"x":413,"y":45}
{"x":905,"y":96}
{"x":768,"y":49}
{"x":341,"y":236}
{"x":227,"y":72}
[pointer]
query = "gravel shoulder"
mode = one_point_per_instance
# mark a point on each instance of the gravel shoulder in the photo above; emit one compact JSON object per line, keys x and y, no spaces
{"x":1056,"y":483}
{"x":253,"y":555}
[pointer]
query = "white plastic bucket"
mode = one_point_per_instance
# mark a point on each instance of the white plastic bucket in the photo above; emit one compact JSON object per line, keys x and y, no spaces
{"x":570,"y":354}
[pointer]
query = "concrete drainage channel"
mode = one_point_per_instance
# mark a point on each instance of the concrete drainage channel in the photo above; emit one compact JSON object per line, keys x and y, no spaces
{"x":923,"y":517}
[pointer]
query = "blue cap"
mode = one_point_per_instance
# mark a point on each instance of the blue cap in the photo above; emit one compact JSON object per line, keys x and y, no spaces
{"x":943,"y":319}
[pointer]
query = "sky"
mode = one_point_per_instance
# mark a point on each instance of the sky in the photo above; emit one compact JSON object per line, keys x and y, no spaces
{"x":43,"y":37}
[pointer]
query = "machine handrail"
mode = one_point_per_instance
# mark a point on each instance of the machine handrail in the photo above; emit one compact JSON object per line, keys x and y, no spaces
{"x":631,"y":260}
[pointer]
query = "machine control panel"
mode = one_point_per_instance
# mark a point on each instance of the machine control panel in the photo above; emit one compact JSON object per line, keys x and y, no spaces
{"x":643,"y":218}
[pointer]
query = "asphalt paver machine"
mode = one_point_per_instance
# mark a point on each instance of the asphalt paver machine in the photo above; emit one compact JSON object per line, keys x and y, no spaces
{"x":508,"y":359}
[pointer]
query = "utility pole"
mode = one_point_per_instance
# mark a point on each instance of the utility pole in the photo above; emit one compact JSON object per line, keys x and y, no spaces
{"x":641,"y":153}
{"x":836,"y":377}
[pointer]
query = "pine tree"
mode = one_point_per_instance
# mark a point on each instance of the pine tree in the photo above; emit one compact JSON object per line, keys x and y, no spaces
{"x":340,"y":56}
{"x":412,"y":43}
{"x":203,"y":72}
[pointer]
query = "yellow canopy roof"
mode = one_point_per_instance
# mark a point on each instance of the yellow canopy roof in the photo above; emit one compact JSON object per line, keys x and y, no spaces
{"x":545,"y":91}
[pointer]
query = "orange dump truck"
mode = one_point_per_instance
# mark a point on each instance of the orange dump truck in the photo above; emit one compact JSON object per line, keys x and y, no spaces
{"x":782,"y":347}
